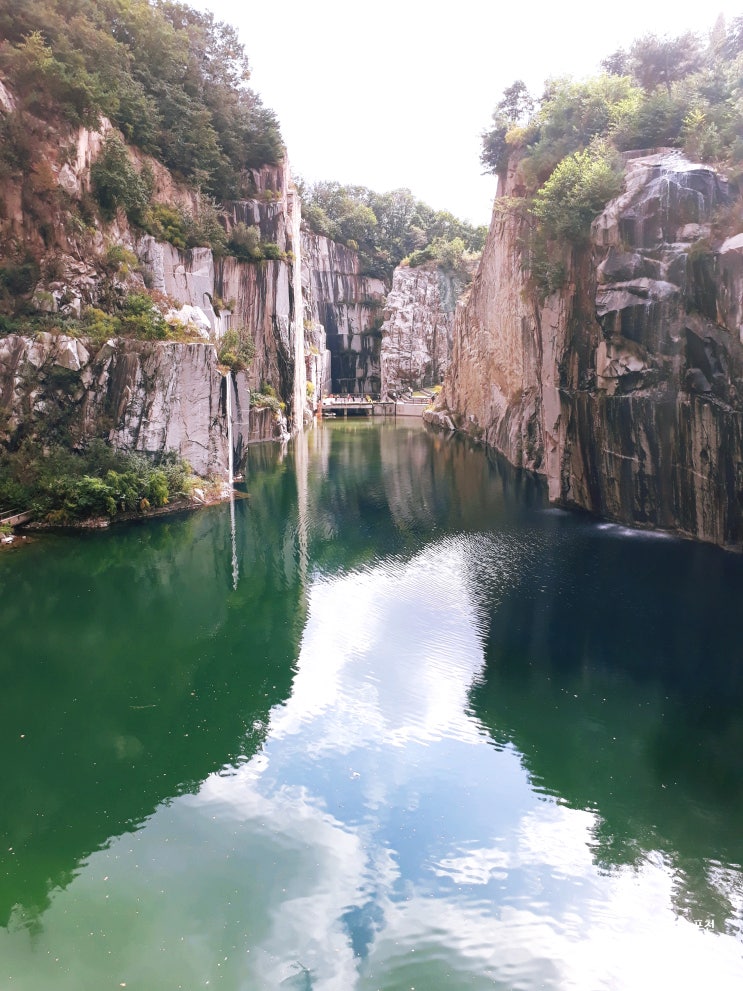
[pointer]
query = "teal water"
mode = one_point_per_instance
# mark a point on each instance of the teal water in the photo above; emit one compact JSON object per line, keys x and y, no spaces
{"x":391,"y":724}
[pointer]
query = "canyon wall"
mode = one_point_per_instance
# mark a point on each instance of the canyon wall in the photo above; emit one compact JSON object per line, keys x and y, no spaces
{"x":625,"y":387}
{"x":146,"y":395}
{"x":142,"y":396}
{"x":418,"y":327}
{"x":265,"y":297}
{"x":348,"y":307}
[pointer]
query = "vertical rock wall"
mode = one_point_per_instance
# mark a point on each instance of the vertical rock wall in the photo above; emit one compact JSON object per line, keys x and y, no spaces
{"x":348,"y":306}
{"x":264,"y":296}
{"x":625,"y":388}
{"x":143,"y":396}
{"x":418,"y":327}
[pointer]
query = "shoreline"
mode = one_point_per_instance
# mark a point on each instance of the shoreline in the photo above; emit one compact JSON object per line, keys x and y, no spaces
{"x":23,"y":536}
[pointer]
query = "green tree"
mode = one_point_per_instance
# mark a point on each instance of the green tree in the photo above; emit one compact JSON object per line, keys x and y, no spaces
{"x":577,"y":191}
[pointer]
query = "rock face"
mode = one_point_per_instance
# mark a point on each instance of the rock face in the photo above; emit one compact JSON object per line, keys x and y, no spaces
{"x":348,"y":306}
{"x":626,"y":387}
{"x":418,"y":328}
{"x":141,"y":396}
{"x":264,"y":297}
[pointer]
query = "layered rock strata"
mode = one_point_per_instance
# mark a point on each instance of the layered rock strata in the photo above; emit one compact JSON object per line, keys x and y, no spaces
{"x":625,"y":388}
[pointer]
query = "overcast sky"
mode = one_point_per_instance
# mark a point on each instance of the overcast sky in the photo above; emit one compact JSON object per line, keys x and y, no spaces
{"x":393,"y":93}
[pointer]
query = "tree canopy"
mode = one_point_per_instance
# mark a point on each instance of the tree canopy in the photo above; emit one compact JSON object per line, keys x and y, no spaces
{"x":681,"y":92}
{"x":173,"y":80}
{"x":385,"y":228}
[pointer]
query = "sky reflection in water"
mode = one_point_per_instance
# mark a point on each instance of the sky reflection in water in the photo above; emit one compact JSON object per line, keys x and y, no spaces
{"x":387,"y":831}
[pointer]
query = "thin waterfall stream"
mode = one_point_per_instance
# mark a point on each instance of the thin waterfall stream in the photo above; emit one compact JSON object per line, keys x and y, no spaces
{"x":231,"y":477}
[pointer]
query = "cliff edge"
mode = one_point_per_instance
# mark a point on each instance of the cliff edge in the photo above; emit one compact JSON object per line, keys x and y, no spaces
{"x":624,"y":388}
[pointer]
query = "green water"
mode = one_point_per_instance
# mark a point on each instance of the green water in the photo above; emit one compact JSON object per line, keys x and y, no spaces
{"x":392,"y":724}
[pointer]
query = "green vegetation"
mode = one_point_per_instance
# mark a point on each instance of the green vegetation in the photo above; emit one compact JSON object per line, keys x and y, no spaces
{"x":579,"y":187}
{"x":61,"y":486}
{"x":385,"y":228}
{"x":136,"y":315}
{"x":245,"y":243}
{"x":236,"y":349}
{"x":676,"y":92}
{"x":266,"y":399}
{"x":117,"y":184}
{"x":171,"y":79}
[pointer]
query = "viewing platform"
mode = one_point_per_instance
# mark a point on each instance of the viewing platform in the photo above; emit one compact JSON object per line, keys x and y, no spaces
{"x":334,"y":406}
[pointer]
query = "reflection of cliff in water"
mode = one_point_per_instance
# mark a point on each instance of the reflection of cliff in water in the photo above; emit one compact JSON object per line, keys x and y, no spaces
{"x":612,"y":666}
{"x":378,"y":489}
{"x":132,"y":671}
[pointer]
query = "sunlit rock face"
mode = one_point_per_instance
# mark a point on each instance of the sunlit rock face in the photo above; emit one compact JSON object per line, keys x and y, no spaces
{"x":347,"y":305}
{"x":143,"y":396}
{"x":418,"y":327}
{"x":625,"y":388}
{"x":264,"y":297}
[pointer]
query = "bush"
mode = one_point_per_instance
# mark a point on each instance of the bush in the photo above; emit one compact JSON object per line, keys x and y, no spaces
{"x":236,"y":349}
{"x":141,"y":319}
{"x":577,"y":191}
{"x":261,"y":400}
{"x":61,"y":485}
{"x":166,"y":224}
{"x":117,"y":184}
{"x":244,"y":242}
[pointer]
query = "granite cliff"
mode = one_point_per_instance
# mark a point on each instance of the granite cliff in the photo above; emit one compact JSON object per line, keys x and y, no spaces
{"x":418,"y":327}
{"x":142,"y":395}
{"x":624,"y":388}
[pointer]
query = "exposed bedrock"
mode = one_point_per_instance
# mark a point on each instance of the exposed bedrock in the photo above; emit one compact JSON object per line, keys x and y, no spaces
{"x":347,"y":307}
{"x":141,"y":396}
{"x":625,"y":388}
{"x":418,"y":328}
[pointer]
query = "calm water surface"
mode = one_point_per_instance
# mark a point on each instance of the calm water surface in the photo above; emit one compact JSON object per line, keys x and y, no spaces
{"x":391,"y":724}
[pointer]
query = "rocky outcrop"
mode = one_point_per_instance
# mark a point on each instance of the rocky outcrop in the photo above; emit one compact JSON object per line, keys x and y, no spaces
{"x":418,"y":327}
{"x":263,"y":297}
{"x":141,"y":396}
{"x":625,"y":388}
{"x":347,"y":305}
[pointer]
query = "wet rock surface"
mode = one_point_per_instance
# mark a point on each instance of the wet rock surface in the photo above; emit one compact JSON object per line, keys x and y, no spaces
{"x":626,"y":387}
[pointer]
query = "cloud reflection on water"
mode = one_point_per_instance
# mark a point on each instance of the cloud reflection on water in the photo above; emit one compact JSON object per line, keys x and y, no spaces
{"x":378,"y":840}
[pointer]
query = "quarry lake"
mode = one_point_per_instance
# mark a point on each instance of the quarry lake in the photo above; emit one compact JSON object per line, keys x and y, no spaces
{"x":391,"y":722}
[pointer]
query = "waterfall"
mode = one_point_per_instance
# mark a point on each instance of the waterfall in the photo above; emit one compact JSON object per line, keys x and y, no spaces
{"x":228,"y":409}
{"x":231,"y":478}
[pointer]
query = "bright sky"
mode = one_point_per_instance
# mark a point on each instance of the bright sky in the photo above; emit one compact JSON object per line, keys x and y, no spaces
{"x":395,"y":94}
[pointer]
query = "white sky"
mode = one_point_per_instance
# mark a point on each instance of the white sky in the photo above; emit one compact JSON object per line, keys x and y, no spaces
{"x":392,"y":94}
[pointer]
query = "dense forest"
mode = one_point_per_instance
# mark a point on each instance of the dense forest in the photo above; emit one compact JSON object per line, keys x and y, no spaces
{"x":388,"y":228}
{"x":682,"y":92}
{"x":170,"y":78}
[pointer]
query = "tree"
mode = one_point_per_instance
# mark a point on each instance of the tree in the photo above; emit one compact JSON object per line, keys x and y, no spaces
{"x":661,"y":61}
{"x":577,"y":191}
{"x":515,"y":107}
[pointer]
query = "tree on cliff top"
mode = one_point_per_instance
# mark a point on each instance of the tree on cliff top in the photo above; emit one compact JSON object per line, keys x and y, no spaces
{"x":383,"y":227}
{"x":662,"y":91}
{"x":173,"y":80}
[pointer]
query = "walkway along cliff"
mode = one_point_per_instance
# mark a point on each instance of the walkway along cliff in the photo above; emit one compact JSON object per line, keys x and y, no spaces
{"x":624,"y":389}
